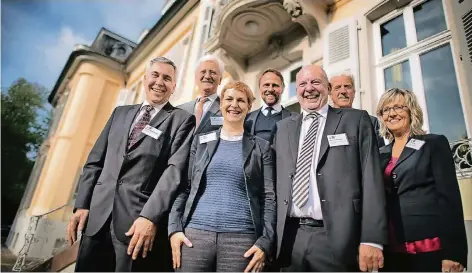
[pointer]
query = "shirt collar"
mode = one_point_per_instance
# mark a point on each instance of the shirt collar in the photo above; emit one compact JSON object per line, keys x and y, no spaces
{"x":277,"y":107}
{"x":212,"y":97}
{"x":323,"y":111}
{"x":156,"y":107}
{"x":228,"y":137}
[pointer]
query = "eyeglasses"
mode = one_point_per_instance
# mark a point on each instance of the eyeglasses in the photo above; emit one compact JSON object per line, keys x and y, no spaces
{"x":396,"y":108}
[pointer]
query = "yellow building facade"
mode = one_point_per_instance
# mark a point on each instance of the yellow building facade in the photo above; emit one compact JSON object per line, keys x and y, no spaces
{"x":383,"y":43}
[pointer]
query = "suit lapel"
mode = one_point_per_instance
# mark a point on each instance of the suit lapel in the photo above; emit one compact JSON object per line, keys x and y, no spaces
{"x":129,"y":118}
{"x":294,"y":139}
{"x":253,"y":118}
{"x":213,"y":110}
{"x":285,"y":113}
{"x":385,"y":155}
{"x":211,"y":145}
{"x":163,"y":114}
{"x":248,"y":146}
{"x":406,"y":153}
{"x":332,"y":122}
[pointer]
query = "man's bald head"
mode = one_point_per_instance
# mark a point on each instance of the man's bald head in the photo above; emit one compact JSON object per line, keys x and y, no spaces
{"x":313,"y":87}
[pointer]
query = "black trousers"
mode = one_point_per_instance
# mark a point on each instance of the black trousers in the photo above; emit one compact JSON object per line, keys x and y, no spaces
{"x":420,"y":262}
{"x":306,"y":249}
{"x":103,"y":252}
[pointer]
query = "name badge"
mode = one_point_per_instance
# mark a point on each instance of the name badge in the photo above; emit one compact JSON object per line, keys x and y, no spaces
{"x":152,"y":132}
{"x":218,"y":121}
{"x":207,"y":138}
{"x":415,"y":144}
{"x":337,"y":140}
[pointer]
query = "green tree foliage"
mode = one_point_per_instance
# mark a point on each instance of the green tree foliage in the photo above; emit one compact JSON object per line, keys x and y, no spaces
{"x":24,"y":126}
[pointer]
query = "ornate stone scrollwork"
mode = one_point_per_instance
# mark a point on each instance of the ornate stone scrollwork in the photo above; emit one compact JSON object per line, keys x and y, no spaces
{"x":293,"y":7}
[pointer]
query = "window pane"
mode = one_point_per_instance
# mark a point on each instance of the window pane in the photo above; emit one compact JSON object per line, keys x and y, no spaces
{"x":429,"y":19}
{"x":398,"y":76}
{"x":442,"y":94}
{"x":393,"y":35}
{"x":292,"y":88}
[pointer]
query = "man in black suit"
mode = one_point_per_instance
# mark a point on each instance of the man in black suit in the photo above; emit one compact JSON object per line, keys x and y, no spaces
{"x":206,"y":107}
{"x":262,"y":121}
{"x":342,"y":94}
{"x":130,"y":179}
{"x":330,"y":193}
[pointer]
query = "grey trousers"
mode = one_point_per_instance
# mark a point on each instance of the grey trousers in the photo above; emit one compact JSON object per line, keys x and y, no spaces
{"x":215,"y":251}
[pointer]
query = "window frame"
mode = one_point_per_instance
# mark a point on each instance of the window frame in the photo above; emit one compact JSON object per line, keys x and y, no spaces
{"x":286,"y":100}
{"x":412,"y":53}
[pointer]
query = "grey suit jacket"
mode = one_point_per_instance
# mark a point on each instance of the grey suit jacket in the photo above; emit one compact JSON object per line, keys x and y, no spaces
{"x":349,"y":179}
{"x":140,"y":181}
{"x":250,"y":123}
{"x":205,"y":124}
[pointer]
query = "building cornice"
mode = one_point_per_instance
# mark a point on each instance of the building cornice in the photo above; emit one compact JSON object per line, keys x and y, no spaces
{"x":80,"y":54}
{"x":159,"y":31}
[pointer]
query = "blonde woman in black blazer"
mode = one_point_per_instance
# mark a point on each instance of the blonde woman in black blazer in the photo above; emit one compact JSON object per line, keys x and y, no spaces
{"x":424,"y":208}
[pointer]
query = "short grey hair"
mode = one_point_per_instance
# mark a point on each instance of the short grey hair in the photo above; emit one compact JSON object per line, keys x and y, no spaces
{"x":162,"y":60}
{"x":345,"y":74}
{"x":212,"y":58}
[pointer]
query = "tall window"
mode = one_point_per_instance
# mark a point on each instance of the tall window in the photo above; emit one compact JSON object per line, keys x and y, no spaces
{"x":413,"y":51}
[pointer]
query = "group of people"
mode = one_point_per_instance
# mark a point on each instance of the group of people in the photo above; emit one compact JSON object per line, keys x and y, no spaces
{"x":211,"y":186}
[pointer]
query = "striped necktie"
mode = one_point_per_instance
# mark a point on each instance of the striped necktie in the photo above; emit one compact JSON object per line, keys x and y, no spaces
{"x":301,"y":183}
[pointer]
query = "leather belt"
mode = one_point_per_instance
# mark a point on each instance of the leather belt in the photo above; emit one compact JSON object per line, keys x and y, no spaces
{"x":309,"y":222}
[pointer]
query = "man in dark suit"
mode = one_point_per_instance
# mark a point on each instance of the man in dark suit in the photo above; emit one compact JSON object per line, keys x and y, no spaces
{"x":330,"y":193}
{"x":262,"y":121}
{"x":206,"y":107}
{"x":342,"y":94}
{"x":130,"y":179}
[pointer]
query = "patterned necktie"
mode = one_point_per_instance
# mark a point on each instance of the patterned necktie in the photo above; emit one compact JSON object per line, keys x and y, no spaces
{"x":269,"y":111}
{"x":139,"y":126}
{"x":199,"y":110}
{"x":301,"y":183}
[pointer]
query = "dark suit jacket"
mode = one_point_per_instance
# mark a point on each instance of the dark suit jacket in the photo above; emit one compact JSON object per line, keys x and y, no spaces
{"x":425,"y":201}
{"x":141,"y":181}
{"x":259,"y":174}
{"x":349,"y":180}
{"x":205,"y":124}
{"x":376,"y":124}
{"x":250,"y":123}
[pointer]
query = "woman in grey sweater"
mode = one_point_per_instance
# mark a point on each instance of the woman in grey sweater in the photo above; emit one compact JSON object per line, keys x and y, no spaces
{"x":224,"y":218}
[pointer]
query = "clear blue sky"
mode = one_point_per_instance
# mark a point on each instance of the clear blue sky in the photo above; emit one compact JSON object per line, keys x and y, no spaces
{"x":37,"y":36}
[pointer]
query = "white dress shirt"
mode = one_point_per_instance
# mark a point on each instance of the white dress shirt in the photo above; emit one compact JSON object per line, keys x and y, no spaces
{"x":275,"y":108}
{"x":154,"y":112}
{"x":312,"y":207}
{"x":207,"y":103}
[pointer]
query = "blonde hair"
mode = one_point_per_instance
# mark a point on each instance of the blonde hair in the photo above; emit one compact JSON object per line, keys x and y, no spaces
{"x":414,"y":110}
{"x":240,"y":86}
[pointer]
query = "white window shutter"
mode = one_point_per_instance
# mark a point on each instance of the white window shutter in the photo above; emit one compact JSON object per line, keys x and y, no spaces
{"x":340,"y":52}
{"x":122,"y":97}
{"x":206,"y":13}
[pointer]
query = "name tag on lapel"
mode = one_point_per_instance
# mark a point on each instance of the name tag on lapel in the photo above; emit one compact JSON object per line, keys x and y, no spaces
{"x":338,"y":140}
{"x":207,"y":138}
{"x":415,"y":144}
{"x":218,"y":121}
{"x":152,"y":132}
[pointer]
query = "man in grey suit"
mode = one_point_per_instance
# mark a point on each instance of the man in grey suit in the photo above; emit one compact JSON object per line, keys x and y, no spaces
{"x":130,"y":179}
{"x":261,"y":122}
{"x":343,"y":92}
{"x":330,"y":193}
{"x":206,"y":107}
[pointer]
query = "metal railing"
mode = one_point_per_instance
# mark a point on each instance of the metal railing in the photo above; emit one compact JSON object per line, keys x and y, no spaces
{"x":51,"y":222}
{"x":462,"y":153}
